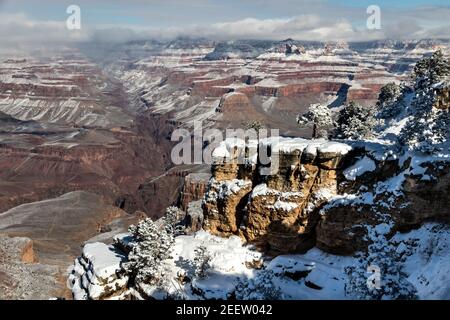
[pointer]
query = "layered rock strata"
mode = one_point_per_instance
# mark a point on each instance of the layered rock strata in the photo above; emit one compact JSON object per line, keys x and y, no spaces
{"x":324,"y":194}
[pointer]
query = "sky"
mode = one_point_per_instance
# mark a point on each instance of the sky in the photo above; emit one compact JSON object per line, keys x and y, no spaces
{"x":324,"y":20}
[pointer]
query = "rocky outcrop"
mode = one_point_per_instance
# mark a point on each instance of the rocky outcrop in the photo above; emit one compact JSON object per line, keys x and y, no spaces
{"x":428,"y":193}
{"x":401,"y":196}
{"x":194,"y":188}
{"x":97,"y":273}
{"x":277,"y":211}
{"x":324,"y":194}
{"x":22,"y":249}
{"x":27,"y":252}
{"x":238,"y":107}
{"x":442,"y":97}
{"x":224,"y":205}
{"x":194,"y":217}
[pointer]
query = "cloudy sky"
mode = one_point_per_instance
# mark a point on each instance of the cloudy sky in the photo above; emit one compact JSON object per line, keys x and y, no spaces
{"x":325,"y":20}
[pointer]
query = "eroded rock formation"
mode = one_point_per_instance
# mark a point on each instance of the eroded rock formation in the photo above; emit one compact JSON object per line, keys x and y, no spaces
{"x":194,"y":188}
{"x":275,"y":211}
{"x":326,"y":194}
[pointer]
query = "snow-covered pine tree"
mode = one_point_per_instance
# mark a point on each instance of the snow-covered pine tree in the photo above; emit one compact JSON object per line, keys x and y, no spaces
{"x":388,"y":94}
{"x":255,"y":125}
{"x":152,"y":245}
{"x":431,"y":70}
{"x":319,"y":116}
{"x":172,"y":219}
{"x":393,"y":281}
{"x":355,"y":122}
{"x":391,"y":100}
{"x":428,"y":127}
{"x":202,"y":261}
{"x":261,"y":287}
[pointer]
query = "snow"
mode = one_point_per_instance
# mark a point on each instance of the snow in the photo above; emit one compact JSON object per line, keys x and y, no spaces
{"x":334,"y":147}
{"x":105,"y":259}
{"x":269,"y":103}
{"x":424,"y":255}
{"x":262,"y":190}
{"x":289,"y":145}
{"x":269,"y":82}
{"x":314,"y":267}
{"x":96,"y":271}
{"x":427,"y":261}
{"x":310,"y":57}
{"x":224,"y":188}
{"x":228,"y":187}
{"x":285,"y":206}
{"x":229,"y":257}
{"x":359,"y":168}
{"x":225,"y":148}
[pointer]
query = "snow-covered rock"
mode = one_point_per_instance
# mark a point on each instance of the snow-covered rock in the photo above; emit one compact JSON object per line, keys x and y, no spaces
{"x":97,"y":274}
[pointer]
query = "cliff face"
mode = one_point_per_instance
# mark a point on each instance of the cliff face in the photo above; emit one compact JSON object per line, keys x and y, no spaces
{"x":277,"y":211}
{"x":326,"y":194}
{"x":194,"y":188}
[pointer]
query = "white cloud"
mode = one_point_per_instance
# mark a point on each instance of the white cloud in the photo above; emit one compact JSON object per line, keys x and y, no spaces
{"x":304,"y":27}
{"x":19,"y":28}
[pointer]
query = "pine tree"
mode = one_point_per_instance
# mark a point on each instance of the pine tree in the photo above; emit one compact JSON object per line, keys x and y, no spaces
{"x":255,"y":125}
{"x":393,"y":282}
{"x":391,"y":100}
{"x":388,"y":94}
{"x":153,"y":245}
{"x":355,"y":122}
{"x":261,"y":287}
{"x":428,"y":127}
{"x":202,"y":261}
{"x":431,"y":70}
{"x":319,"y":116}
{"x":173,"y":219}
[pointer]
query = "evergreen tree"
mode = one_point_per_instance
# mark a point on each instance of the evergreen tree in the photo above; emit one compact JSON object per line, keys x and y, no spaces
{"x":152,"y":246}
{"x":255,"y":125}
{"x":428,"y":127}
{"x":319,"y":116}
{"x":173,"y":219}
{"x":355,"y":122}
{"x":393,"y":283}
{"x":431,"y":70}
{"x":261,"y":287}
{"x":388,"y":94}
{"x":202,"y":261}
{"x":391,"y":100}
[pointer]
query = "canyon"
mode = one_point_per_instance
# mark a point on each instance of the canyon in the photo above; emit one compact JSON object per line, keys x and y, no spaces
{"x":85,"y":142}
